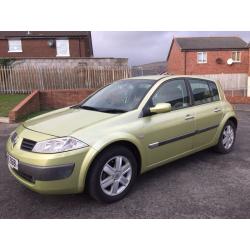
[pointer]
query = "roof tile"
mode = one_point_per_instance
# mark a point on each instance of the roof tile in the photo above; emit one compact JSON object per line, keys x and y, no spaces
{"x":201,"y":43}
{"x":26,"y":34}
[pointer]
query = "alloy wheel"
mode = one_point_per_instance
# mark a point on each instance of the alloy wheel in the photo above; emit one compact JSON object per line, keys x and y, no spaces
{"x":116,"y":175}
{"x":228,"y":137}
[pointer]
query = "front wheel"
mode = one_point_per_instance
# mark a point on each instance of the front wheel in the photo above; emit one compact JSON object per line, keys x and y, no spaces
{"x":227,"y":138}
{"x":112,"y":174}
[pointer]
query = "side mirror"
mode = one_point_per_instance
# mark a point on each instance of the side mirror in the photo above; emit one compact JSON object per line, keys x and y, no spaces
{"x":161,"y":108}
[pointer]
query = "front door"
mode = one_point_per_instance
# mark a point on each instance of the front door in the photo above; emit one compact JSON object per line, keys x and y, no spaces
{"x":169,"y":134}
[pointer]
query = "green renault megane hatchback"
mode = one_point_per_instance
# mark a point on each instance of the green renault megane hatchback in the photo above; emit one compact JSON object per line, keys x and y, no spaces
{"x":124,"y":129}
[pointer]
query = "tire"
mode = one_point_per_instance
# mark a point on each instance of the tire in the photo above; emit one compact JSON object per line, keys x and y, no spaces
{"x":112,"y":174}
{"x":225,"y":146}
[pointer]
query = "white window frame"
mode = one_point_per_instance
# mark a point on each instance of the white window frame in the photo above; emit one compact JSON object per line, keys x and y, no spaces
{"x":58,"y":54}
{"x":204,"y":57}
{"x":19,"y":42}
{"x":236,"y":51}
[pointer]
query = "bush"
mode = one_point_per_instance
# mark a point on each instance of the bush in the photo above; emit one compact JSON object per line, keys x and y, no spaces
{"x":6,"y":61}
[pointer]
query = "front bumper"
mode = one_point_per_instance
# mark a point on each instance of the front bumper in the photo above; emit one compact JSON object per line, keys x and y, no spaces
{"x":60,"y":173}
{"x":37,"y":173}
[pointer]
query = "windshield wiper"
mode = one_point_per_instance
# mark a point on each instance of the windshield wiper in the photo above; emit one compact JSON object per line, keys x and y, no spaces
{"x":90,"y":108}
{"x":114,"y":111}
{"x":75,"y":106}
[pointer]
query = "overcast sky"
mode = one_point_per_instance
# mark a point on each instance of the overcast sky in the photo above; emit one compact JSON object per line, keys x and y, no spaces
{"x":146,"y":46}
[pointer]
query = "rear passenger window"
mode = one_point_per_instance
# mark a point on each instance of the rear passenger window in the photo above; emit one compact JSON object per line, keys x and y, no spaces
{"x":214,"y":91}
{"x":201,"y":91}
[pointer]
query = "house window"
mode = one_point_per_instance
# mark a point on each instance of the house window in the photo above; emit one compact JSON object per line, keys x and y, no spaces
{"x":236,"y":56}
{"x":201,"y":57}
{"x":15,"y":45}
{"x":62,"y":47}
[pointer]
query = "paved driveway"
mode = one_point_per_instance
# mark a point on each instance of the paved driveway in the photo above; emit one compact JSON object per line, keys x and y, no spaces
{"x":205,"y":185}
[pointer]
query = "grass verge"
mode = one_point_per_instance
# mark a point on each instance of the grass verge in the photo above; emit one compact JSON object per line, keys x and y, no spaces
{"x":8,"y":102}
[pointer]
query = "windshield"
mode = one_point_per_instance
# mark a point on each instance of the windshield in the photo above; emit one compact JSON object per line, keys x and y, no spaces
{"x":120,"y":96}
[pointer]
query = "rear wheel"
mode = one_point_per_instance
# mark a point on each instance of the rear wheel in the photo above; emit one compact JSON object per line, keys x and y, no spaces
{"x":227,"y":138}
{"x":112,"y":174}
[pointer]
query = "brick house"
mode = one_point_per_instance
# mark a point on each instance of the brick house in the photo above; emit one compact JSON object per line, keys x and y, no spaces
{"x":45,"y":44}
{"x":52,"y":48}
{"x":209,"y":55}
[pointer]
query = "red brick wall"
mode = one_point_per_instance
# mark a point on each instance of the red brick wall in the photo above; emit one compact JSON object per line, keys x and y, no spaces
{"x":249,"y":62}
{"x":235,"y":92}
{"x":211,"y":67}
{"x":30,"y":104}
{"x":49,"y":99}
{"x":40,"y":48}
{"x":176,"y":60}
{"x":238,"y":99}
{"x":85,"y":49}
{"x":52,"y":99}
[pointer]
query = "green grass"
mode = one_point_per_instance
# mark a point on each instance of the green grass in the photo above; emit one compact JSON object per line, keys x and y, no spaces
{"x":34,"y":114}
{"x":8,"y":102}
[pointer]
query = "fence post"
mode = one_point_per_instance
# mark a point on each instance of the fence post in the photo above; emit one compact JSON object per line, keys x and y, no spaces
{"x":113,"y":74}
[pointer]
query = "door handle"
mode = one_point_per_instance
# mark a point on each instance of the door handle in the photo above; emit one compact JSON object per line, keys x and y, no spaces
{"x":217,"y":110}
{"x":189,"y":117}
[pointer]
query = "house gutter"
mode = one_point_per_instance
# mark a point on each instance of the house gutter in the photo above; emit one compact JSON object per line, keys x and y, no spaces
{"x":90,"y":44}
{"x":185,"y":60}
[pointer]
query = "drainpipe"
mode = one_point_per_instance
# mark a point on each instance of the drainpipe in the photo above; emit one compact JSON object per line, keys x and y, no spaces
{"x":185,"y":63}
{"x":80,"y":50}
{"x":248,"y":86}
{"x":91,"y":53}
{"x":248,"y":79}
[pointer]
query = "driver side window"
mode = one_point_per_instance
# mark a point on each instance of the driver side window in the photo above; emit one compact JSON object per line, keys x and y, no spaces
{"x":173,"y":92}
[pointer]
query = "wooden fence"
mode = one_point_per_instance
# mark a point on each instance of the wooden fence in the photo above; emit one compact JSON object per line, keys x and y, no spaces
{"x":232,"y":84}
{"x":24,"y":79}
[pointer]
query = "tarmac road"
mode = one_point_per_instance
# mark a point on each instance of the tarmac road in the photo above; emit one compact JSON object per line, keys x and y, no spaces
{"x":204,"y":185}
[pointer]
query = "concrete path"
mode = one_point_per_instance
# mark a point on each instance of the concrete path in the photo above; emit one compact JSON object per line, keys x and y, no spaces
{"x":6,"y":128}
{"x":4,"y":119}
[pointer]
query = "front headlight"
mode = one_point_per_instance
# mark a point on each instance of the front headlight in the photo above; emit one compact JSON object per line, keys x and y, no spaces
{"x":58,"y":145}
{"x":13,"y":137}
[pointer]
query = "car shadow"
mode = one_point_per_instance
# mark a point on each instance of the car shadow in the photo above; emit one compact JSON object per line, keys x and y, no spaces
{"x":159,"y":173}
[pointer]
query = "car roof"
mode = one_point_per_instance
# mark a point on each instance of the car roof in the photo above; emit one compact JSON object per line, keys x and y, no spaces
{"x":159,"y":77}
{"x":150,"y":77}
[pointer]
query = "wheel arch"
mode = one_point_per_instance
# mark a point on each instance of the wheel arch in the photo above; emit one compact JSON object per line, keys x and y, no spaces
{"x":234,"y":120}
{"x":130,"y":145}
{"x":229,"y":116}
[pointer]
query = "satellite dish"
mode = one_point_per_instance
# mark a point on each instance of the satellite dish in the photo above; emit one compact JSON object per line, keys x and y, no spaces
{"x":51,"y":43}
{"x":230,"y":61}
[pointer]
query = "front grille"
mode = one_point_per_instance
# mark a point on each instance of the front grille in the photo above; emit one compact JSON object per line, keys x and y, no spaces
{"x":27,"y":144}
{"x":27,"y":177}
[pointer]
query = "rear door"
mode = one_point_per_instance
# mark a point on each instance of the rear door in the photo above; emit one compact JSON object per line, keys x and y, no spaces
{"x":207,"y":109}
